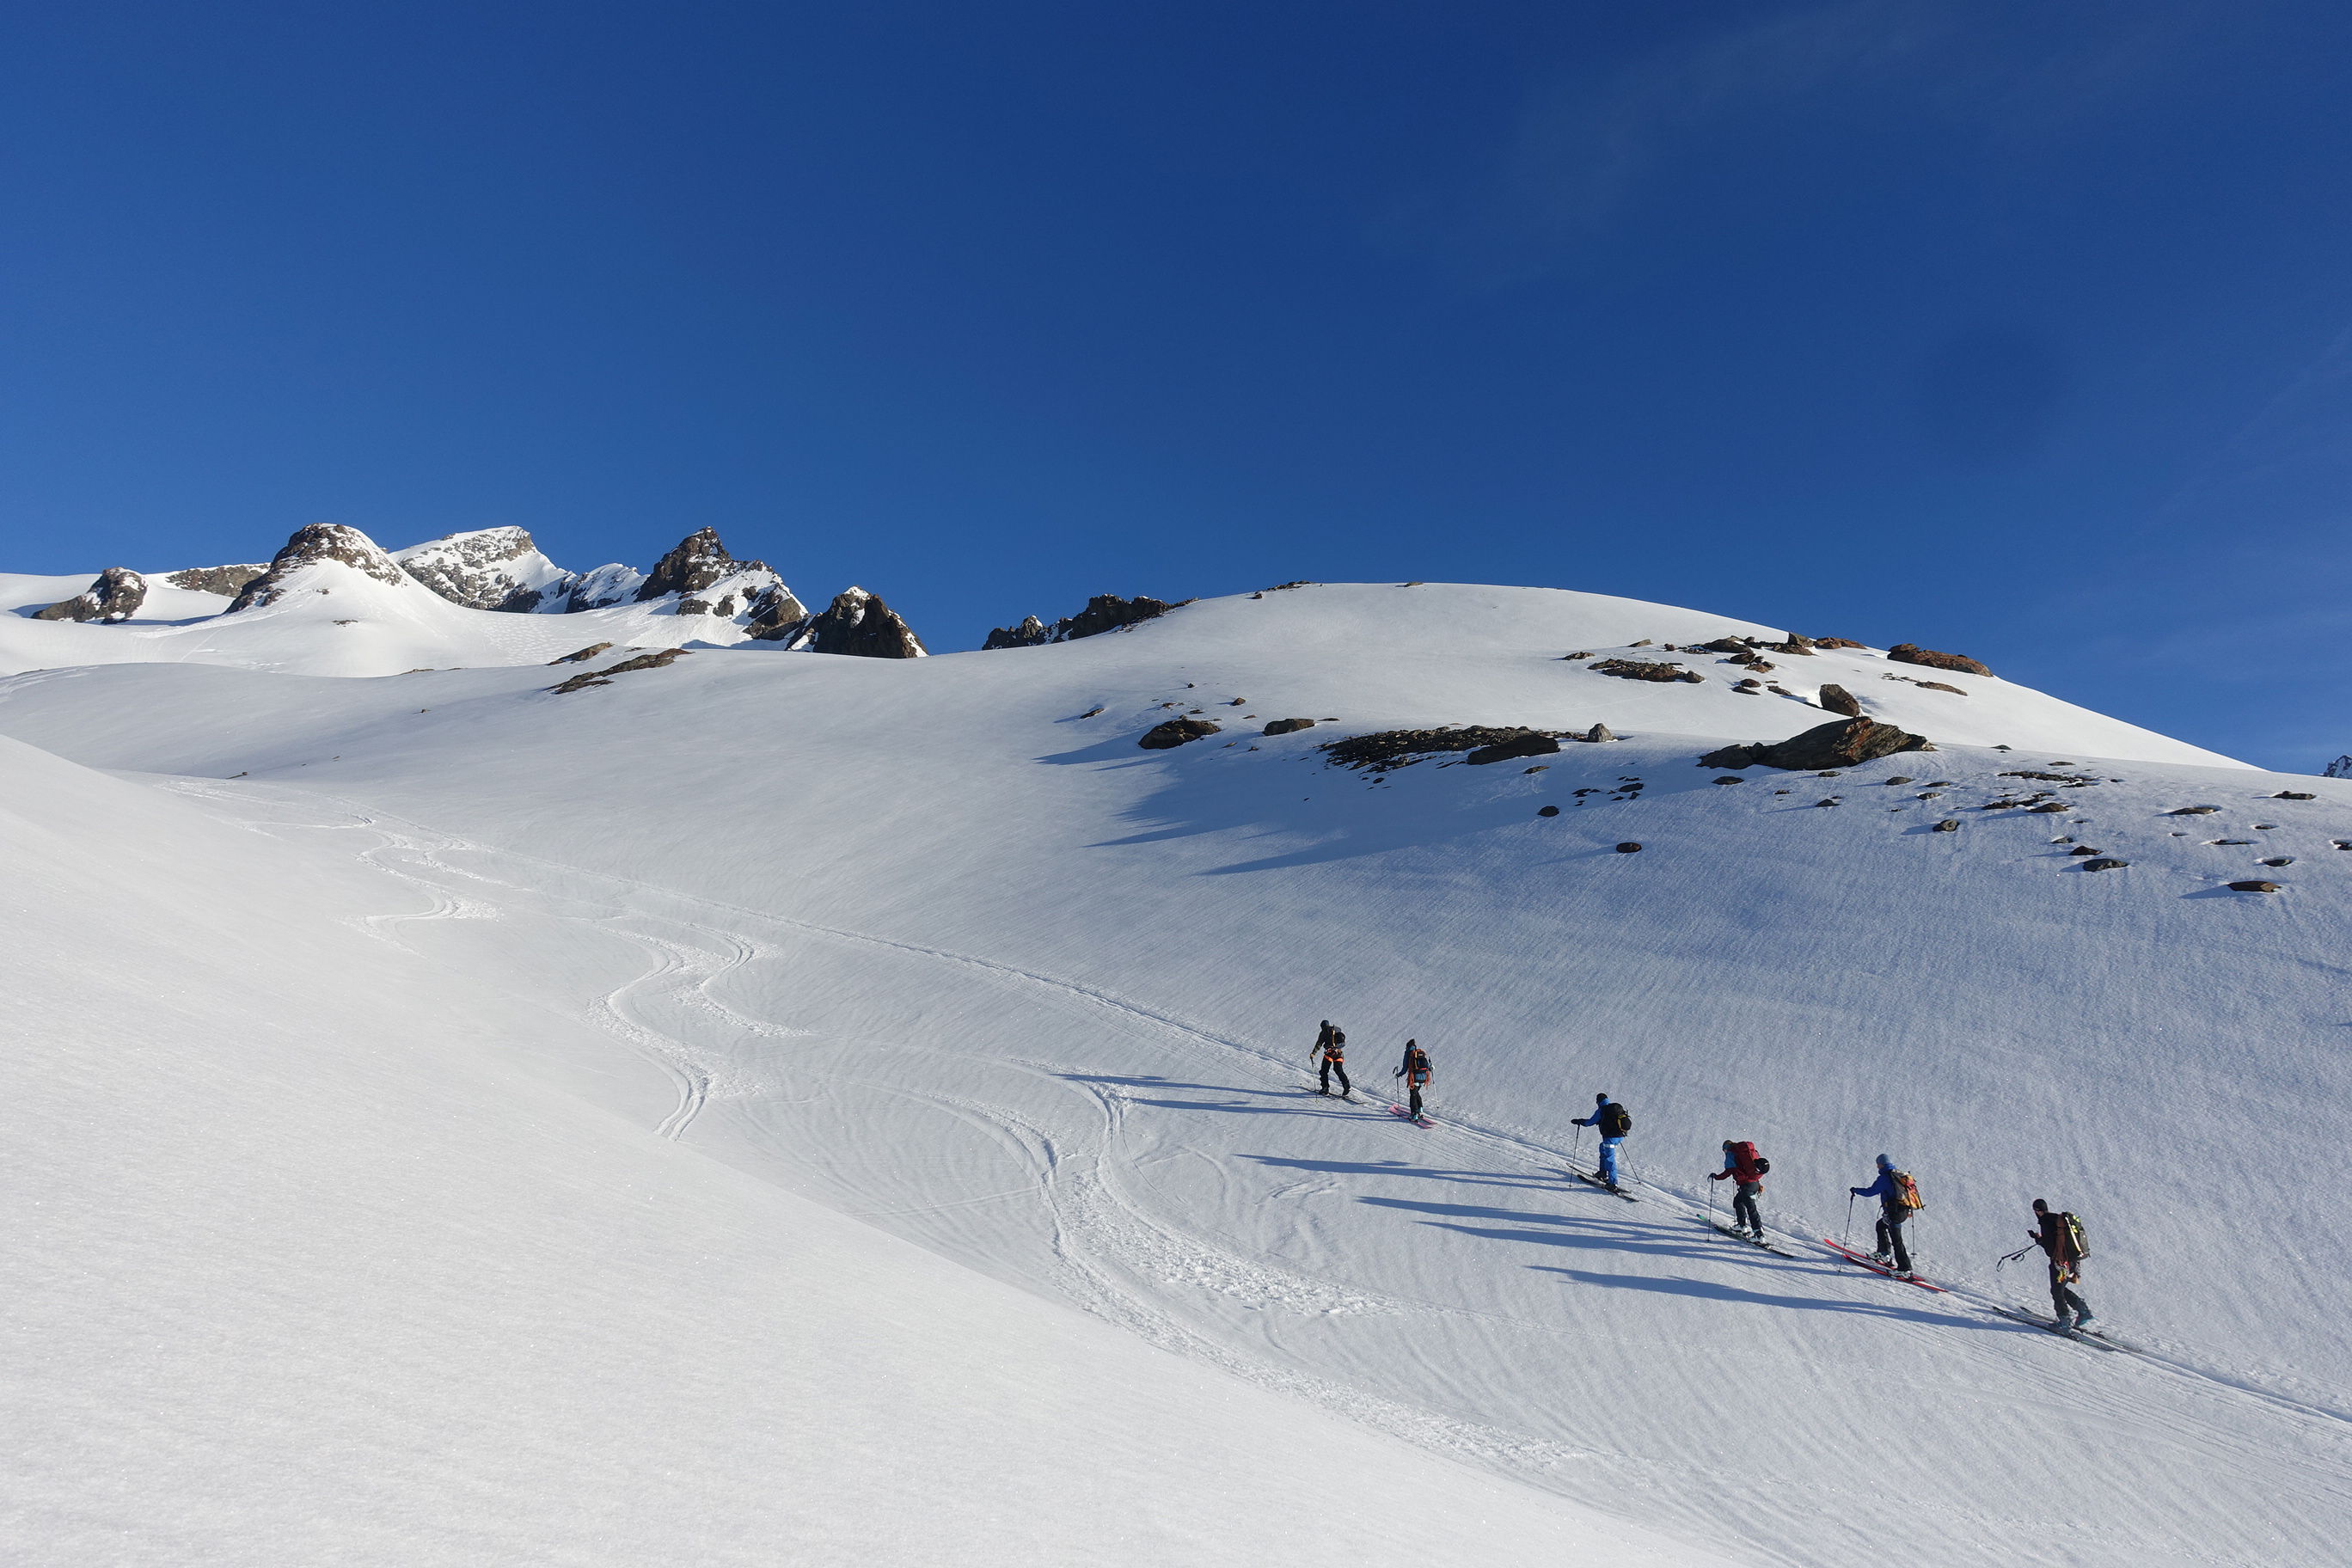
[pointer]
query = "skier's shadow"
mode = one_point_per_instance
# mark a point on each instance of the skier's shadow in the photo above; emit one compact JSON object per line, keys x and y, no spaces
{"x":1531,"y":1181}
{"x":1708,"y":1290}
{"x":1290,"y":1101}
{"x":1573,"y":1230}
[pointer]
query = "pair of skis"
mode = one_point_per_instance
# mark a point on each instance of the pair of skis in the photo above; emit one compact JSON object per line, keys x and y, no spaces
{"x":2091,"y":1337}
{"x":1401,"y":1114}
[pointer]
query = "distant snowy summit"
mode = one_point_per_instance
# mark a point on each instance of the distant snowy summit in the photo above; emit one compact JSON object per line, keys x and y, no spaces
{"x":502,"y":570}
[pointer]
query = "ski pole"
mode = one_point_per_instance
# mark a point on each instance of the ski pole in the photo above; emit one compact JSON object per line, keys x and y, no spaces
{"x":1847,"y":1235}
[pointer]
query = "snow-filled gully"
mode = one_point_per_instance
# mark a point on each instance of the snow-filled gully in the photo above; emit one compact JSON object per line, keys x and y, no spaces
{"x":1082,"y":1182}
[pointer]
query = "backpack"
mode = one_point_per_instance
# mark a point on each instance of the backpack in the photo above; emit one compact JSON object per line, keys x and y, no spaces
{"x":2078,"y":1240}
{"x":1615,"y":1120}
{"x":1763,"y":1166}
{"x":1905,"y":1194}
{"x":1416,"y":1067}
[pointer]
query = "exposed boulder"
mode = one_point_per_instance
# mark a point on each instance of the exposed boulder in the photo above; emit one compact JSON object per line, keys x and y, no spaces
{"x":1547,"y":811}
{"x":1599,"y":732}
{"x":1912,"y":653}
{"x":857,"y":623}
{"x":2104,"y":863}
{"x":2193,"y":811}
{"x":310,"y":546}
{"x":1838,"y":699}
{"x":2293,"y":795}
{"x":1389,"y":749}
{"x":226,"y":581}
{"x":1629,"y":847}
{"x":116,"y":595}
{"x":775,"y":613}
{"x":1104,"y":613}
{"x":1288,"y":726}
{"x":1837,"y":642}
{"x":590,"y":651}
{"x":1644,"y":670}
{"x":2253,"y":887}
{"x":487,"y":569}
{"x":1175,"y":733}
{"x":1947,"y":826}
{"x":655,"y":660}
{"x":1840,"y":744}
{"x":1528,"y":746}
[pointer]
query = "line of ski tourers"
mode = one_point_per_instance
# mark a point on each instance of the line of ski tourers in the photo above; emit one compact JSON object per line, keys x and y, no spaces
{"x":2058,"y":1234}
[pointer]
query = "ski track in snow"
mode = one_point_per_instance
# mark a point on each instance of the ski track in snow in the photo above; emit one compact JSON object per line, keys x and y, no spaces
{"x":1111,"y":1257}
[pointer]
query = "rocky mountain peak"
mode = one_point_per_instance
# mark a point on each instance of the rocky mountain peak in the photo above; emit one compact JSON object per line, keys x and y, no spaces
{"x":697,"y":561}
{"x":311,"y":545}
{"x":1104,"y":613}
{"x":116,"y":595}
{"x":856,"y":623}
{"x":488,"y":569}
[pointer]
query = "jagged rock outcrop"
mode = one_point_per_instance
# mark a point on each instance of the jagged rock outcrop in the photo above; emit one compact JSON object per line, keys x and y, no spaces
{"x":1912,"y":653}
{"x":1387,"y":749}
{"x":318,"y":542}
{"x":696,"y":562}
{"x":775,"y":613}
{"x":228,"y":582}
{"x":1104,"y":613}
{"x":1175,"y":733}
{"x":489,"y":569}
{"x":2341,"y":768}
{"x":609,"y":584}
{"x":1644,"y":670}
{"x":116,"y":595}
{"x":857,"y":623}
{"x":1841,"y":744}
{"x":656,"y":660}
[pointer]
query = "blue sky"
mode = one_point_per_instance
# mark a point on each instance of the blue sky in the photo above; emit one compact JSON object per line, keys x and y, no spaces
{"x":2019,"y":330}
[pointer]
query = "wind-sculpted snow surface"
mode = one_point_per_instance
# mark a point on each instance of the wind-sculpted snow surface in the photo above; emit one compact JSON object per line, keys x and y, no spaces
{"x":931,"y":945}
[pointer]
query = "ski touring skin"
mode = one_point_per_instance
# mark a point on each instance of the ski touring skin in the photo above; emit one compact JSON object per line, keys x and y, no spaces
{"x":1875,"y":1266}
{"x":1738,"y":1235}
{"x":2091,"y":1337}
{"x":1596,"y":1182}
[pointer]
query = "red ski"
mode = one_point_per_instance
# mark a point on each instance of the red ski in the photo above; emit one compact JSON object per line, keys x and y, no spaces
{"x":1401,"y":1114}
{"x":1875,"y":1266}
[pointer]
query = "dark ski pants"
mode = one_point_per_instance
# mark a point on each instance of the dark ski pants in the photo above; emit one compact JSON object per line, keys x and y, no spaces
{"x":2063,"y":1299}
{"x":1743,"y":1207}
{"x":1890,"y":1239}
{"x":1412,"y":1091}
{"x":1330,"y":1067}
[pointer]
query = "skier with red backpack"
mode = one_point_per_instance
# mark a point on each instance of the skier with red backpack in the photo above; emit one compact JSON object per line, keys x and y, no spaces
{"x":1898,"y":1200}
{"x":2059,"y":1236}
{"x":1743,"y":1165}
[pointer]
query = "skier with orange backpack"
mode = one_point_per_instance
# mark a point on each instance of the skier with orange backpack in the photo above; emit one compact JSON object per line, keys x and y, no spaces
{"x":1898,"y":1200}
{"x":1414,"y":1071}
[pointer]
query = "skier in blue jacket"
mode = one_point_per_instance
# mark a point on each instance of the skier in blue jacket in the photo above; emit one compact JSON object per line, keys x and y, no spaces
{"x":1614,"y":1123}
{"x":1893,"y":1213}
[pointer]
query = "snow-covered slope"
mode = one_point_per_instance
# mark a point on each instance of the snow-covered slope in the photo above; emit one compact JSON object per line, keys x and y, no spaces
{"x":946,"y":953}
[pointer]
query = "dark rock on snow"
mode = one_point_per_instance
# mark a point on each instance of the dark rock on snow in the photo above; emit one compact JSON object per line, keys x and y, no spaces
{"x":2104,"y":863}
{"x":1288,"y":726}
{"x":2292,"y":795}
{"x":116,"y":595}
{"x":1629,"y":847}
{"x":1947,"y":826}
{"x":1547,"y":811}
{"x":1912,"y":653}
{"x":1388,"y":749}
{"x":1175,"y":733}
{"x":2253,"y":887}
{"x":1644,"y":670}
{"x":858,"y":624}
{"x":1838,"y":699}
{"x":655,"y":660}
{"x":1599,"y":732}
{"x":590,"y":651}
{"x":1528,"y":746}
{"x":1842,"y":743}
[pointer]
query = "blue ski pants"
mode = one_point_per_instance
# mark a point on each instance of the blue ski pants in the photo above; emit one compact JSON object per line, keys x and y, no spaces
{"x":1609,"y":1147}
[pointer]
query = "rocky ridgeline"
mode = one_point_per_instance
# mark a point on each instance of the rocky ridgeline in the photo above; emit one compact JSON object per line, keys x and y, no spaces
{"x":489,"y":569}
{"x":228,"y":582}
{"x":1104,"y":613}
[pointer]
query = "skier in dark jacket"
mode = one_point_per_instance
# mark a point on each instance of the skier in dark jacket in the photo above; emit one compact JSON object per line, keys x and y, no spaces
{"x":1414,"y":1071}
{"x":1894,"y":1211}
{"x":2056,"y":1237}
{"x":1330,"y":1056}
{"x":1614,"y":1123}
{"x":1742,"y":1164}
